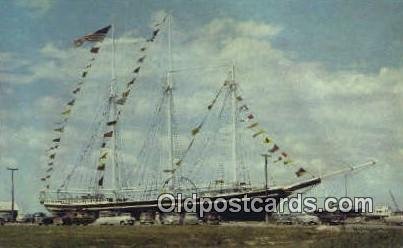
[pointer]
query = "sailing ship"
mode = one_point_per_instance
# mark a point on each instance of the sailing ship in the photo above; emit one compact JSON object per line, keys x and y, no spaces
{"x":171,"y":167}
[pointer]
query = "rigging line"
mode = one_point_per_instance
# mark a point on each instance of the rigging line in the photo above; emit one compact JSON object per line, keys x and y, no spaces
{"x":145,"y":158}
{"x":92,"y":139}
{"x":224,"y":102}
{"x":81,"y":82}
{"x":86,"y":69}
{"x":202,"y":158}
{"x":100,"y":174}
{"x":196,"y":166}
{"x":154,"y":124}
{"x":80,"y":158}
{"x":243,"y":159}
{"x":199,"y":127}
{"x":204,"y":68}
{"x":86,"y":147}
{"x":146,"y":47}
{"x":152,"y":143}
{"x":248,"y":104}
{"x":66,"y":182}
{"x":123,"y":168}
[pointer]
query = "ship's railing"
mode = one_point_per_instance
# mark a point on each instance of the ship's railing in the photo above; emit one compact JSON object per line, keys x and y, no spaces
{"x":106,"y":195}
{"x":79,"y":196}
{"x":75,"y":201}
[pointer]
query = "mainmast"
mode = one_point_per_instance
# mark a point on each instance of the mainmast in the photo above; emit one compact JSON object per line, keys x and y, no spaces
{"x":233,"y":88}
{"x":170,"y":110}
{"x":113,"y":116}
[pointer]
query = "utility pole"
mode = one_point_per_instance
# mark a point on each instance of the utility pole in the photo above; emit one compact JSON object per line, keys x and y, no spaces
{"x":266,"y":182}
{"x":12,"y":170}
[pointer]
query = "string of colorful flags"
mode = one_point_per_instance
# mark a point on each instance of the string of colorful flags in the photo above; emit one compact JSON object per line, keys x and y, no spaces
{"x":98,"y":36}
{"x":196,"y":130}
{"x":121,"y":100}
{"x":274,"y":150}
{"x":249,"y":118}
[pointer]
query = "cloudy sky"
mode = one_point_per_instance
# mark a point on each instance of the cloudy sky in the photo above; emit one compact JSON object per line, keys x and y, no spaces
{"x":324,"y":77}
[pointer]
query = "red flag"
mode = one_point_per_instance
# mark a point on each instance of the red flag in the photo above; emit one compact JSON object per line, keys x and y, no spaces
{"x":94,"y":50}
{"x":274,"y":149}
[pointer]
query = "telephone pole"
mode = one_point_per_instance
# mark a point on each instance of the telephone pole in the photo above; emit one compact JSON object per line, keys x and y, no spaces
{"x":12,"y":170}
{"x":266,"y":182}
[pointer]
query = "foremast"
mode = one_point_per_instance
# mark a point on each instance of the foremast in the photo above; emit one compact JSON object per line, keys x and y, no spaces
{"x":113,"y":108}
{"x":170,"y":109}
{"x":111,"y":114}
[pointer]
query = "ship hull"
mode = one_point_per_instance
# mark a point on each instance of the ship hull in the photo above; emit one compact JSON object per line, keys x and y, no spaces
{"x":137,"y":207}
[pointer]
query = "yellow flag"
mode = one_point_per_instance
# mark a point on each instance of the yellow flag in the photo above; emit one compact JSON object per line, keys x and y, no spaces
{"x":258,"y":133}
{"x":66,"y":112}
{"x":253,"y":125}
{"x":267,"y":140}
{"x":101,"y":167}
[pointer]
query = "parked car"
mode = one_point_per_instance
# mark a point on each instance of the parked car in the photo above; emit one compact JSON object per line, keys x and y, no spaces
{"x":191,"y":219}
{"x":41,"y":218}
{"x":283,"y":219}
{"x":38,"y":216}
{"x":331,"y":218}
{"x":77,"y":218}
{"x":25,"y":218}
{"x":62,"y":220}
{"x":122,"y":219}
{"x":396,"y":219}
{"x":306,"y":219}
{"x":7,"y":217}
{"x":2,"y":221}
{"x":212,"y":219}
{"x":170,"y":219}
{"x":47,"y":220}
{"x":146,"y":218}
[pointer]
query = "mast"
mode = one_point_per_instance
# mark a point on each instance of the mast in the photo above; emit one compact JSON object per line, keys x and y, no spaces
{"x":234,"y":126}
{"x":171,"y":164}
{"x":112,"y":102}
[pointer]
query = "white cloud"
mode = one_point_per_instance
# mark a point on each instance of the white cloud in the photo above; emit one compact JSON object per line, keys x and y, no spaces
{"x":38,"y":7}
{"x":221,"y":27}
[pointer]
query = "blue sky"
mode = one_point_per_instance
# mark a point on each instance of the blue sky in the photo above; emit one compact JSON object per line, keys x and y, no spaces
{"x":360,"y":34}
{"x":325,"y":76}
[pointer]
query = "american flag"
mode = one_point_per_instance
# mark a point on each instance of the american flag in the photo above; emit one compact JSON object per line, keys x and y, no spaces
{"x":98,"y":35}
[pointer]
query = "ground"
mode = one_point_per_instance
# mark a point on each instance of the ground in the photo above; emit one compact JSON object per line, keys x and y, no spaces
{"x":200,"y":236}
